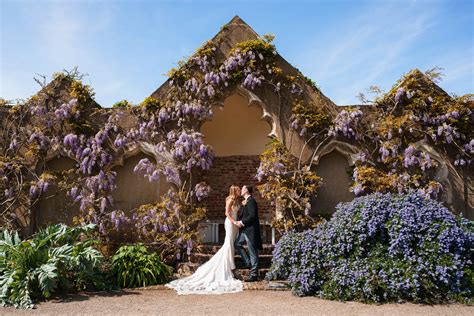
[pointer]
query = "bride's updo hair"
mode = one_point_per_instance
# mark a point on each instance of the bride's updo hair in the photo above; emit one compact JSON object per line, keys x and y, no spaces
{"x":233,"y":194}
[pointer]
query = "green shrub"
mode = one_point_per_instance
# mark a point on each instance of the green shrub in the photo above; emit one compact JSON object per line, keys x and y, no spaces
{"x":54,"y":258}
{"x":134,"y":266}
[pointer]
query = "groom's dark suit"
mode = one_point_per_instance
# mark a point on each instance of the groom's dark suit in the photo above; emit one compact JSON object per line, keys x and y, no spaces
{"x":249,"y":234}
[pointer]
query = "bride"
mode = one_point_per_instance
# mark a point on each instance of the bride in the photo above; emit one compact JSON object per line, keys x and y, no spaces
{"x":215,"y":276}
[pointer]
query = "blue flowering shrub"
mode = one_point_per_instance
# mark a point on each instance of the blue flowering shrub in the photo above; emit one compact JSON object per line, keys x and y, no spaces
{"x":381,"y":247}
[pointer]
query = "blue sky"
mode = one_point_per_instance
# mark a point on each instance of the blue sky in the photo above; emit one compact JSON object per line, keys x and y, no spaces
{"x":125,"y":47}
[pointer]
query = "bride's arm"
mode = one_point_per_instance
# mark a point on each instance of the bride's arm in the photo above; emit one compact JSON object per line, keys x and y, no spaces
{"x":227,"y":211}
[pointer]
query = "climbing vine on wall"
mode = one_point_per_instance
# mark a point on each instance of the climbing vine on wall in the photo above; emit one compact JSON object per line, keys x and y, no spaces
{"x":47,"y":124}
{"x":289,"y":185}
{"x":64,"y":119}
{"x":394,"y":136}
{"x":396,"y":130}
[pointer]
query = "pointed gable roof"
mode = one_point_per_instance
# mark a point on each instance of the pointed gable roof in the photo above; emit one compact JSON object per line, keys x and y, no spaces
{"x":237,"y":31}
{"x":58,"y":91}
{"x":417,"y":80}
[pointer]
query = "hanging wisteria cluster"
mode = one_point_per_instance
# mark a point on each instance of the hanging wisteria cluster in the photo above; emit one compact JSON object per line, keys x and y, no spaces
{"x":79,"y":129}
{"x":346,"y":124}
{"x":394,"y":134}
{"x":93,"y":188}
{"x":45,"y":124}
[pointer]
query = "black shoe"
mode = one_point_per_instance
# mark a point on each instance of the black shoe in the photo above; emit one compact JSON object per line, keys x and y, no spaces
{"x":244,"y":266}
{"x":252,"y":279}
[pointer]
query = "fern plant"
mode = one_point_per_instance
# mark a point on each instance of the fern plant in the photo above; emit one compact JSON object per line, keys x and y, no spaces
{"x":134,"y":266}
{"x":56,"y":257}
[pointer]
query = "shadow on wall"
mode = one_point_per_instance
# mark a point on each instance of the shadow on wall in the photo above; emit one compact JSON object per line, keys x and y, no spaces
{"x":461,"y":196}
{"x":133,"y":189}
{"x":236,"y":129}
{"x":56,"y":206}
{"x":238,"y":135}
{"x":333,"y":168}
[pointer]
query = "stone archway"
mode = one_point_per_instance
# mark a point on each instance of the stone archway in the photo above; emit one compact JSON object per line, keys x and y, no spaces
{"x":238,"y":133}
{"x":458,"y":184}
{"x":133,"y":189}
{"x":55,"y":206}
{"x":335,"y":170}
{"x":237,"y":128}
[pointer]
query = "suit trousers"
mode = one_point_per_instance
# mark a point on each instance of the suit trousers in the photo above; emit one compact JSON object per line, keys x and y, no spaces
{"x":242,"y":239}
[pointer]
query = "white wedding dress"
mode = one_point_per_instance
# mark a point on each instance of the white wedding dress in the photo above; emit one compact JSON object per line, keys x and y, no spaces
{"x":214,"y":276}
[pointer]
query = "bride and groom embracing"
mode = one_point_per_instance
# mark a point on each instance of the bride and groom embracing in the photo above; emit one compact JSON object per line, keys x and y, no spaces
{"x":242,"y":227}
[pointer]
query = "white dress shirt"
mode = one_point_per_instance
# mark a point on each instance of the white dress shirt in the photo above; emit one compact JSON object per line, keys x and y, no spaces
{"x":240,"y":222}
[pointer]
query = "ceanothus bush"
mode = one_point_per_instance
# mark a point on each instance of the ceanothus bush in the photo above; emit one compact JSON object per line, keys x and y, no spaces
{"x":381,"y":247}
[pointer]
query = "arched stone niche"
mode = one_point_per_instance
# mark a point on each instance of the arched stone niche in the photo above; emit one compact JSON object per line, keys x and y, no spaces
{"x":332,"y":162}
{"x":55,"y":206}
{"x":133,"y":189}
{"x":238,"y":132}
{"x":238,"y":127}
{"x":458,"y":183}
{"x":334,"y":169}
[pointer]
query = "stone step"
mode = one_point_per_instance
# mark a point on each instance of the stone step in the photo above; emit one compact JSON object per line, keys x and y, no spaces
{"x":242,"y":274}
{"x":267,"y":286}
{"x":213,"y":248}
{"x":264,"y":261}
{"x":187,"y":268}
{"x":260,"y":285}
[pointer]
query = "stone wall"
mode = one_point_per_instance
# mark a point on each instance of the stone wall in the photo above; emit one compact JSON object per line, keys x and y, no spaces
{"x":133,"y":189}
{"x":334,"y":169}
{"x":238,"y":135}
{"x":56,"y":206}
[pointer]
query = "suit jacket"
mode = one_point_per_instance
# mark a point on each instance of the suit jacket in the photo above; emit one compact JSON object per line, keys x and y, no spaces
{"x":249,"y":217}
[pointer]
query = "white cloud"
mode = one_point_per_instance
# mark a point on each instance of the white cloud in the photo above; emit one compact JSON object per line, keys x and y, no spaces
{"x":67,"y":31}
{"x":364,"y":48}
{"x":52,"y":36}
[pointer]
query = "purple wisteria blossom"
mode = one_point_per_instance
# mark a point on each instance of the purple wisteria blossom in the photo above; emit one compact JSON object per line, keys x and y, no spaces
{"x":399,"y":95}
{"x":202,"y":190}
{"x":66,"y":110}
{"x":346,"y":123}
{"x":38,"y":187}
{"x":252,"y":81}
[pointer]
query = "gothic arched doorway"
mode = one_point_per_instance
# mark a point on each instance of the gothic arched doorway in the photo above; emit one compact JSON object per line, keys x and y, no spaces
{"x":56,"y":206}
{"x":334,"y":168}
{"x":238,"y":136}
{"x":133,"y":189}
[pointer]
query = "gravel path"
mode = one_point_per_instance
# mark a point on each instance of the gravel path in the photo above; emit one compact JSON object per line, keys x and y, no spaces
{"x":166,"y":302}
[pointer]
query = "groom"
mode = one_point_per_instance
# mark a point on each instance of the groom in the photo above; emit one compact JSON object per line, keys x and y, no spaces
{"x":249,"y":232}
